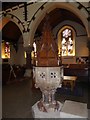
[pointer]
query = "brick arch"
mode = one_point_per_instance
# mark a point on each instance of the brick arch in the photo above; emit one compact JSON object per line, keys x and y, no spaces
{"x":48,"y":8}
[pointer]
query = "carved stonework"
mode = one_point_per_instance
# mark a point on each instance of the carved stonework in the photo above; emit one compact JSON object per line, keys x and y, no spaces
{"x":48,"y":51}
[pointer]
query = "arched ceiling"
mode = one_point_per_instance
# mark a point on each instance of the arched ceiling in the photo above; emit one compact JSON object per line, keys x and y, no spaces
{"x":11,"y":32}
{"x":57,"y":16}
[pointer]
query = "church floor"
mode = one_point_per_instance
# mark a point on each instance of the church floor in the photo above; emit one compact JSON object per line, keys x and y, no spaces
{"x":18,"y":98}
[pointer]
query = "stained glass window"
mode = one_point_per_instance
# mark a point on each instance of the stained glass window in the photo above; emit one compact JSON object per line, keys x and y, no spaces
{"x":67,"y":42}
{"x":5,"y":50}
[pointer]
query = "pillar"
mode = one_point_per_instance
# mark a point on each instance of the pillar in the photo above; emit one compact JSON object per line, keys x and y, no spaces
{"x":28,"y":56}
{"x":26,"y":39}
{"x":28,"y":49}
{"x":28,"y":72}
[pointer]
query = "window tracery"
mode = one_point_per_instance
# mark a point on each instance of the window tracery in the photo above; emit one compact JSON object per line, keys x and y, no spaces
{"x":67,"y":42}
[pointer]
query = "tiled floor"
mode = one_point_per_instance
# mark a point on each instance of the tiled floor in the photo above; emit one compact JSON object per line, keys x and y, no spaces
{"x":18,"y":98}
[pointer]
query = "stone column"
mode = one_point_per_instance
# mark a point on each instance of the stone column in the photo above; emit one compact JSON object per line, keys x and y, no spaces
{"x":28,"y":72}
{"x":26,"y":39}
{"x":28,"y":60}
{"x":28,"y":56}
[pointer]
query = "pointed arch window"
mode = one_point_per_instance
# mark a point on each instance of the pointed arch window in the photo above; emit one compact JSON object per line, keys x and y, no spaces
{"x":5,"y":50}
{"x":67,"y":41}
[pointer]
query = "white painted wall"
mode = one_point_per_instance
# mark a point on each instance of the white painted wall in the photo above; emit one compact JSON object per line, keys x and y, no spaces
{"x":81,"y":46}
{"x":79,"y":29}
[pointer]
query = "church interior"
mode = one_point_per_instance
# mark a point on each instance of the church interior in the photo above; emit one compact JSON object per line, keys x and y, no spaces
{"x":38,"y":38}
